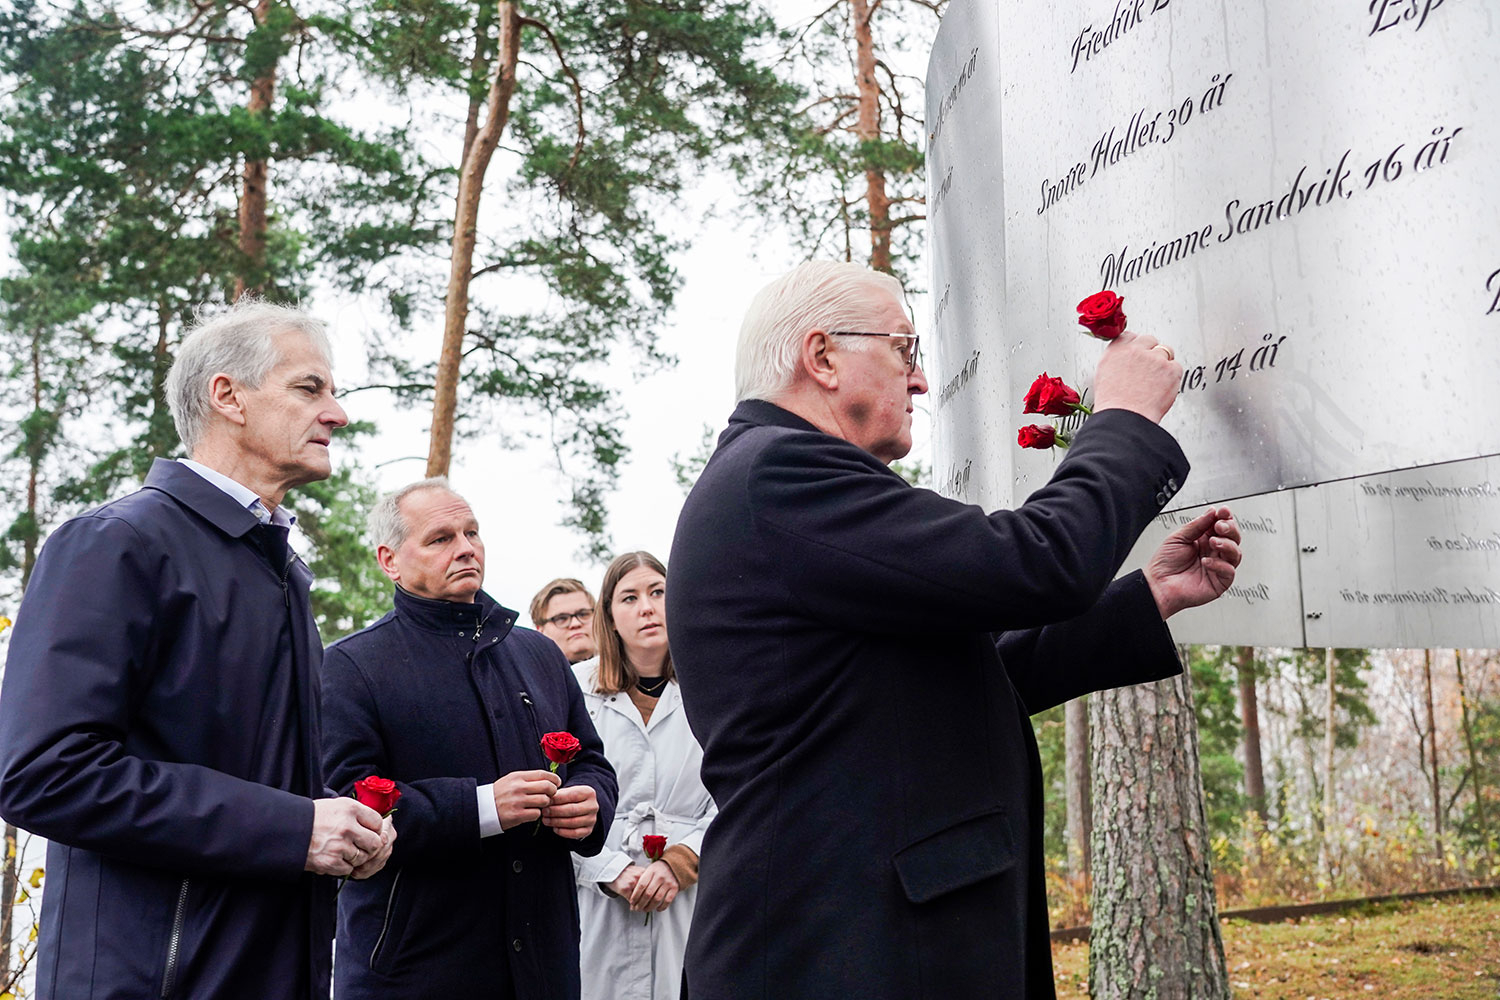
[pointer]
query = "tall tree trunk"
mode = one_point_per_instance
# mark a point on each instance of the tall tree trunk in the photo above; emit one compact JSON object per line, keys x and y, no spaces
{"x":253,"y":188}
{"x":877,"y":201}
{"x":1437,"y":798}
{"x":1155,"y":922}
{"x":1255,"y":780}
{"x":1080,"y":820}
{"x":1330,"y":736}
{"x":1463,"y":706}
{"x":465,"y":225}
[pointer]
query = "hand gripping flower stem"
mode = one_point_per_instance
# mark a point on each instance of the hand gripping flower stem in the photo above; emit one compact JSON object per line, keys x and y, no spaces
{"x":380,"y":794}
{"x":655,"y":846}
{"x":559,"y":749}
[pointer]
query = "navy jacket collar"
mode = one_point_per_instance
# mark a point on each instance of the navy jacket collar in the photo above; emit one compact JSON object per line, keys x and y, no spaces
{"x":758,"y":411}
{"x":447,"y":616}
{"x":200,"y":496}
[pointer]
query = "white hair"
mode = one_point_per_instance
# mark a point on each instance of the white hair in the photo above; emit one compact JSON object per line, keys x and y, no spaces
{"x":386,"y":522}
{"x":815,"y":295}
{"x":239,"y":343}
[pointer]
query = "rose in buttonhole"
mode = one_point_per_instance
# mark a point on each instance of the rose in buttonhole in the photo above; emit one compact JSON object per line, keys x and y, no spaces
{"x":1041,"y":436}
{"x":560,"y":748}
{"x":1104,"y":314}
{"x":655,"y":846}
{"x":1053,"y":397}
{"x":380,"y":794}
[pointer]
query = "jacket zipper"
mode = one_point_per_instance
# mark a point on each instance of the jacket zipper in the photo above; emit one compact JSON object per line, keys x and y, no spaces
{"x":174,"y":941}
{"x":385,"y":924}
{"x":536,"y":730}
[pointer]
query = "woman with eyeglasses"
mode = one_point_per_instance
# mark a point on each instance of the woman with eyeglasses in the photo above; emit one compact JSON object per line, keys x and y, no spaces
{"x":634,"y":912}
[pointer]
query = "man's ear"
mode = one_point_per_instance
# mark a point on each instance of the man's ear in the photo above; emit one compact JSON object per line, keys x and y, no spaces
{"x":386,"y":558}
{"x":224,"y":398}
{"x":818,"y":359}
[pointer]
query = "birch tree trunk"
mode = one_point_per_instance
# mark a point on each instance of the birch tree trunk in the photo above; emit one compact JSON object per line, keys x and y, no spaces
{"x":1155,"y":924}
{"x":479,"y":147}
{"x":1080,"y":824}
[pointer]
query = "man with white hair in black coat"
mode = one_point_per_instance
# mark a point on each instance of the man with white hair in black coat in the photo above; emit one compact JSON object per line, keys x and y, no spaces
{"x":858,"y":657}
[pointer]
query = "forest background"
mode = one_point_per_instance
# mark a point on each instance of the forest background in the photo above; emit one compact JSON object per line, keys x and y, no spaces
{"x":533,"y":228}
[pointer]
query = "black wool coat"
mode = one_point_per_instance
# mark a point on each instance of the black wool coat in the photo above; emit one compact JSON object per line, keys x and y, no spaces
{"x":158,"y":725}
{"x":858,"y":658}
{"x":444,"y":697}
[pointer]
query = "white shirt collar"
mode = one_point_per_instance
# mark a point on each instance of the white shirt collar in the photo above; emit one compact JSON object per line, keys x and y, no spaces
{"x":243,"y":495}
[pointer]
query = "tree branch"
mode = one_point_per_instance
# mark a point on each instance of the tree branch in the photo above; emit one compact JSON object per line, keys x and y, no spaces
{"x":572,"y":78}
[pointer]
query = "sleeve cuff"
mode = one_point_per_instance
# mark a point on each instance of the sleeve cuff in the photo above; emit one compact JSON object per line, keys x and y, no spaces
{"x":489,"y":815}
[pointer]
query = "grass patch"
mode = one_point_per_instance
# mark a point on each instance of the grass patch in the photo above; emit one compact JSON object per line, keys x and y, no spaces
{"x":1445,"y":949}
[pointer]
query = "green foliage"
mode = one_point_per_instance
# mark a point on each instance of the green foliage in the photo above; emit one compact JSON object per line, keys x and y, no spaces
{"x":1051,"y":742}
{"x":815,"y":177}
{"x":617,"y":106}
{"x":1484,"y":721}
{"x":1308,"y":672}
{"x":121,"y":151}
{"x":687,"y":468}
{"x":1220,"y":732}
{"x":349,"y":590}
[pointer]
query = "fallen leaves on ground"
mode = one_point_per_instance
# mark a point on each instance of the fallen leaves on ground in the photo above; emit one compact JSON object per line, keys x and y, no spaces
{"x":1446,"y":949}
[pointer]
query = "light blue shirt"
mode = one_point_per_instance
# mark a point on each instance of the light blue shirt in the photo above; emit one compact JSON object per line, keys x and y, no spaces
{"x":243,"y":495}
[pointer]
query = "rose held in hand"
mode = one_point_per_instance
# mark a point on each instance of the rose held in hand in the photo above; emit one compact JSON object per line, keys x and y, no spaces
{"x":1052,"y":397}
{"x":380,"y":794}
{"x":560,"y":748}
{"x":655,"y":845}
{"x":1104,"y":314}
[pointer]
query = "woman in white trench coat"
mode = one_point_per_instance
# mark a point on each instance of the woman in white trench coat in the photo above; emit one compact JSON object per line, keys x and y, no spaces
{"x":636,"y":707}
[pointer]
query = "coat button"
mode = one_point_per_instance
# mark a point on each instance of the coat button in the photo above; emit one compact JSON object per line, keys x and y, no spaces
{"x":1161,"y":498}
{"x":516,"y":944}
{"x":515,"y":866}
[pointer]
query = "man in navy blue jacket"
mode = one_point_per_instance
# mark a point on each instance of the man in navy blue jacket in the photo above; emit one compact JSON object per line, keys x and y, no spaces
{"x":447,"y":696}
{"x":858,"y":657}
{"x":159,"y":717}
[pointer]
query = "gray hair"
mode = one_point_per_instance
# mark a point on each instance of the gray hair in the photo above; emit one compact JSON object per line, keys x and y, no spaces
{"x":386,"y":523}
{"x":238,"y":343}
{"x":816,"y":294}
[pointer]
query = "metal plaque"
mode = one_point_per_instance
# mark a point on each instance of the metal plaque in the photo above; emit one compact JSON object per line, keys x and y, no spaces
{"x":1299,"y":198}
{"x":1302,"y":200}
{"x":1407,"y":559}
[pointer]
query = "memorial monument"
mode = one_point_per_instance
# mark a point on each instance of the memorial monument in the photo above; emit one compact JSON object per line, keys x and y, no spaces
{"x":1302,"y":200}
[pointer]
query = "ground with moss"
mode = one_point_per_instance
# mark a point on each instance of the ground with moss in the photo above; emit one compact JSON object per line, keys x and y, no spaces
{"x":1431,"y":950}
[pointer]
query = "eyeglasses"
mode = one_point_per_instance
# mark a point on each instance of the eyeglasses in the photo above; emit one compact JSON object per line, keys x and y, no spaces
{"x":907,"y":350}
{"x":567,"y":618}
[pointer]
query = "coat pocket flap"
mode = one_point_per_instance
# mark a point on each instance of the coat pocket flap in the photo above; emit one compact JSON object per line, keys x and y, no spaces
{"x":966,"y":852}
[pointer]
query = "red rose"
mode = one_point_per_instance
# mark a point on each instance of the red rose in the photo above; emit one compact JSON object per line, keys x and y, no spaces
{"x":1051,"y":396}
{"x":560,"y":748}
{"x":380,"y":794}
{"x":1104,"y":314}
{"x":655,"y":845}
{"x":1037,"y":436}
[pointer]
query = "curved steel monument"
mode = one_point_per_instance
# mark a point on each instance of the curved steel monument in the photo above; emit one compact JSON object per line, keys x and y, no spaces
{"x":1304,"y":201}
